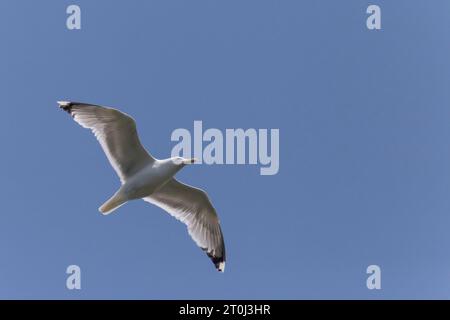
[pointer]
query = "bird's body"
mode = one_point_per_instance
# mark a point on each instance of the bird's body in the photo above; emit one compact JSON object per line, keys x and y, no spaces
{"x":154,"y":175}
{"x":144,"y":177}
{"x":143,"y":183}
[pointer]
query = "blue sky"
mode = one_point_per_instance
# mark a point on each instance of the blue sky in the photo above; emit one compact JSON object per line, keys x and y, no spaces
{"x":364,"y":123}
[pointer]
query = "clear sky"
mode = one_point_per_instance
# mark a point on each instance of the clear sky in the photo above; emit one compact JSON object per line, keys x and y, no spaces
{"x":364,"y":119}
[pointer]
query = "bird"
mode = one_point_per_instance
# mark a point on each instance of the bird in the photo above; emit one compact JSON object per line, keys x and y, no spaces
{"x":142,"y":176}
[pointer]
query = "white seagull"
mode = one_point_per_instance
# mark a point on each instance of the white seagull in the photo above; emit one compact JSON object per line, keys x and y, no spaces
{"x":144,"y":177}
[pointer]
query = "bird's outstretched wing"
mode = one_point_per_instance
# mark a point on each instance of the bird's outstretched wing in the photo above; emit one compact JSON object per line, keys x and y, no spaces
{"x":116,"y":132}
{"x":192,"y":207}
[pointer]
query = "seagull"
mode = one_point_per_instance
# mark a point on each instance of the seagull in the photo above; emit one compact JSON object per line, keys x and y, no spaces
{"x":145,"y":177}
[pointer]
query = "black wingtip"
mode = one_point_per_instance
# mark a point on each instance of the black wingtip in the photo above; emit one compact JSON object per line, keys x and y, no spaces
{"x":219,"y":262}
{"x":66,"y":106}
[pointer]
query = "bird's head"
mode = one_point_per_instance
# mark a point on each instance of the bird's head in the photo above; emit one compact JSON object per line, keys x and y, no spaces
{"x":183,"y":161}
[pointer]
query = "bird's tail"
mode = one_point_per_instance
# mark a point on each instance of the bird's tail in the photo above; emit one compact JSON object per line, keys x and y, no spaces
{"x":112,"y":204}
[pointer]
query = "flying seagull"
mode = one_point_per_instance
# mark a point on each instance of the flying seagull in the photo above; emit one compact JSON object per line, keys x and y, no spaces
{"x":144,"y":177}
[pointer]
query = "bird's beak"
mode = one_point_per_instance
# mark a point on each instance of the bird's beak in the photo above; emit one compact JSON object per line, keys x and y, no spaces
{"x":190,"y":161}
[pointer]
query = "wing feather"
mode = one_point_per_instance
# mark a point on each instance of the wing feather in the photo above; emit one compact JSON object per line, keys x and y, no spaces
{"x":193,"y":207}
{"x":116,"y":133}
